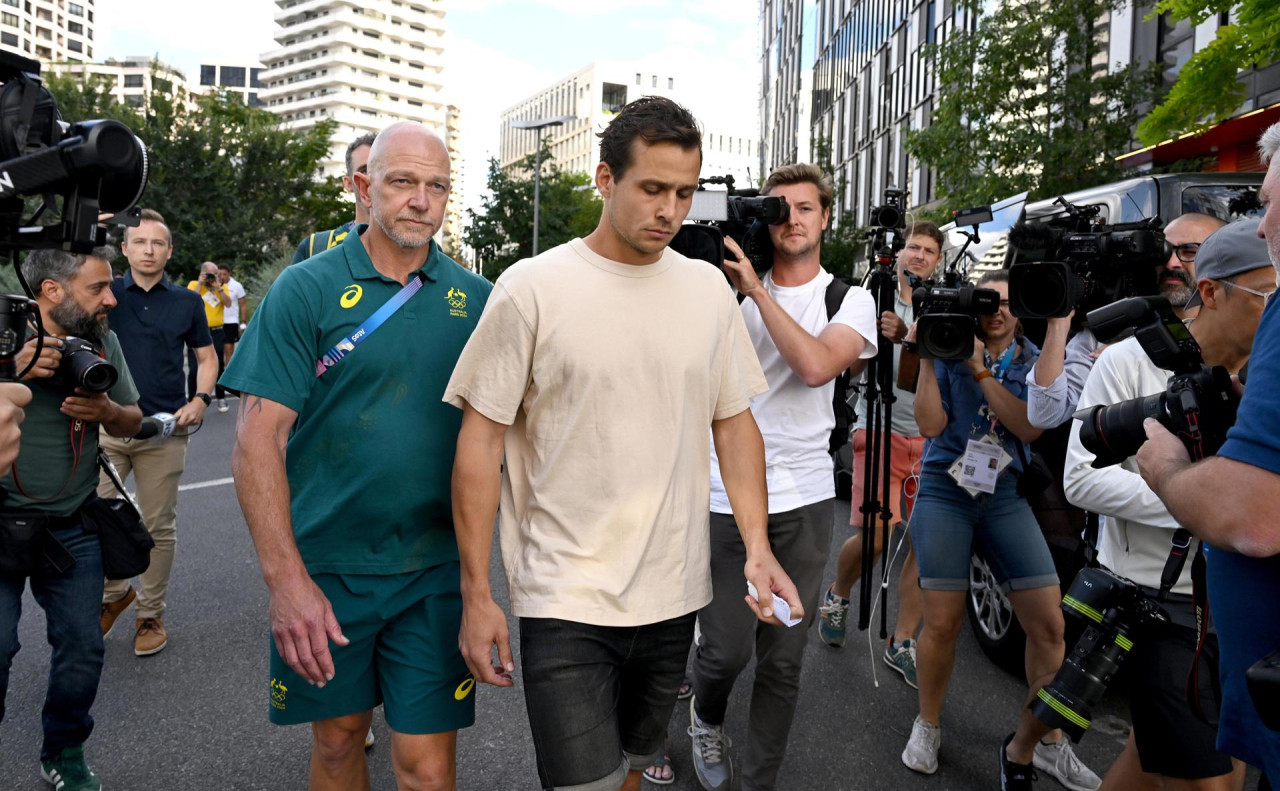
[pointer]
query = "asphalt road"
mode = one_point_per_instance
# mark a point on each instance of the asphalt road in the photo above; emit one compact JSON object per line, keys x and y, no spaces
{"x":194,"y":716}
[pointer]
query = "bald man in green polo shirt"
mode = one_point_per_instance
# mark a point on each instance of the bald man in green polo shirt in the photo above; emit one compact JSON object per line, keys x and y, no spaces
{"x":342,"y":463}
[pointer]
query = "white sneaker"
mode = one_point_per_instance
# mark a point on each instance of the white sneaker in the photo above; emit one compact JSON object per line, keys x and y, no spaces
{"x":1059,"y":761}
{"x":711,"y":761}
{"x":369,"y":738}
{"x":222,"y":405}
{"x":921,"y":754}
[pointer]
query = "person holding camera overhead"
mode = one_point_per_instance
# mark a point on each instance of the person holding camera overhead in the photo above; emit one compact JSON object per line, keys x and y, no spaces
{"x":1167,"y":740}
{"x":45,"y":533}
{"x":975,"y":410}
{"x":216,"y":298}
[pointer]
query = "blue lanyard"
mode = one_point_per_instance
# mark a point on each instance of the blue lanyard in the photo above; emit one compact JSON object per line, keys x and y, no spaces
{"x":1000,"y":371}
{"x":1002,"y":367}
{"x":347,"y":344}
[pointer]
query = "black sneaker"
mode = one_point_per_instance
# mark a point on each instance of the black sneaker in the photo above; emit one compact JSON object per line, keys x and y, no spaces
{"x":1015,"y":777}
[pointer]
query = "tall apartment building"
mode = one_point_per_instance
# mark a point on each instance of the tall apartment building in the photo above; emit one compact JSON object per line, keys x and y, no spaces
{"x":362,"y":63}
{"x":870,"y":86}
{"x":131,"y":79}
{"x":451,"y":235}
{"x":594,"y":94}
{"x":48,"y":30}
{"x":242,"y":79}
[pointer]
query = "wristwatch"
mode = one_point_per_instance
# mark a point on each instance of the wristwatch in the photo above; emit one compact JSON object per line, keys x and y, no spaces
{"x":205,"y":397}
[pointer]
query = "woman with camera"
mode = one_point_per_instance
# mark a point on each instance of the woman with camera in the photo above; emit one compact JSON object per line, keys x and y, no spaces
{"x":975,"y":413}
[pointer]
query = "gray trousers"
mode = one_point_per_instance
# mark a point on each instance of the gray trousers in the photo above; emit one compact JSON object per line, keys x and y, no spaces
{"x":801,"y":541}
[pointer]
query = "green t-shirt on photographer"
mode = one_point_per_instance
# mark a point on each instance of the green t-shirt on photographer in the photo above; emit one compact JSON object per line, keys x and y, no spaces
{"x":57,"y":465}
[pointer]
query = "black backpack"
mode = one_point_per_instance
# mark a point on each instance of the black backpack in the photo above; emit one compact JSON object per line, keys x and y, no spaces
{"x":836,"y":291}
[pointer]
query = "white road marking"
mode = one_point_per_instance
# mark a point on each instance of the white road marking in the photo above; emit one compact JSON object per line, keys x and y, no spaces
{"x":186,"y":487}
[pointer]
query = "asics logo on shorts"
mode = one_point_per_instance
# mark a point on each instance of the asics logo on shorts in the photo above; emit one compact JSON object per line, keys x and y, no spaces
{"x":464,"y":689}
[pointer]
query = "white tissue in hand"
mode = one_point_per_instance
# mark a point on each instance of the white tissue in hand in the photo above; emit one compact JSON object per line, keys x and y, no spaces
{"x":780,"y":606}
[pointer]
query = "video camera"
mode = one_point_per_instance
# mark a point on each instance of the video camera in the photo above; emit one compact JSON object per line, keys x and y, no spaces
{"x":79,"y":172}
{"x":1198,"y":405}
{"x":1116,"y":613}
{"x":742,"y":215}
{"x":1075,"y":263}
{"x":947,"y":310}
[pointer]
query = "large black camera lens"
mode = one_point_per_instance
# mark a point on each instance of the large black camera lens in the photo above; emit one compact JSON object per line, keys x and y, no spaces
{"x":945,"y":336}
{"x":1043,"y":290}
{"x":82,"y":366}
{"x":1114,"y":433}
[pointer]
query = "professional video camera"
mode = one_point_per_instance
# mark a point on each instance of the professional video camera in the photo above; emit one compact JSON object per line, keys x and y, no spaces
{"x":742,"y":215}
{"x":947,"y":310}
{"x":1116,"y":612}
{"x":1074,"y":262}
{"x":78,"y":171}
{"x":1198,"y":405}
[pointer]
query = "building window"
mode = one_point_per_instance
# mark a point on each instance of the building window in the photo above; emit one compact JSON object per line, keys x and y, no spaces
{"x":8,"y":39}
{"x":133,"y":80}
{"x":9,"y":19}
{"x":254,"y":81}
{"x":613,"y":97}
{"x":654,"y":81}
{"x":73,"y":27}
{"x":232,"y":77}
{"x":75,"y":9}
{"x":75,"y":46}
{"x":14,"y":3}
{"x":208,"y":75}
{"x":637,"y":78}
{"x":1177,"y":43}
{"x":671,"y":83}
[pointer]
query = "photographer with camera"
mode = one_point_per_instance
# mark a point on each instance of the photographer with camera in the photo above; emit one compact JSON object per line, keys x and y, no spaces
{"x":1168,"y":743}
{"x":79,"y":381}
{"x":975,"y":411}
{"x":1243,"y":526}
{"x":920,"y":256}
{"x":216,"y":298}
{"x":1054,"y":390}
{"x":802,"y":351}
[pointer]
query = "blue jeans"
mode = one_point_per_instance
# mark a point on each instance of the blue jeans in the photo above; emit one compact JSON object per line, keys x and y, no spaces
{"x":72,"y":603}
{"x":948,"y":525}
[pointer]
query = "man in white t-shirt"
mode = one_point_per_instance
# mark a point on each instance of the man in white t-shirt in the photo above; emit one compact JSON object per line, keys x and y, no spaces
{"x":598,"y":367}
{"x":231,"y":320}
{"x":802,"y":351}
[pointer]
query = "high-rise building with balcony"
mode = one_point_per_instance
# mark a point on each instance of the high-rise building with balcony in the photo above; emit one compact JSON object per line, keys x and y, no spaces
{"x":130,"y":80}
{"x":362,"y":63}
{"x":48,"y":30}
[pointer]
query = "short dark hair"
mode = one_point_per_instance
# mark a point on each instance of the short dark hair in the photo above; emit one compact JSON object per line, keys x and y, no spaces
{"x":926,"y":228}
{"x":653,"y":119}
{"x":59,"y":266}
{"x":801,"y":174}
{"x":362,"y":140}
{"x":994,"y":276}
{"x":226,"y":267}
{"x":150,"y":215}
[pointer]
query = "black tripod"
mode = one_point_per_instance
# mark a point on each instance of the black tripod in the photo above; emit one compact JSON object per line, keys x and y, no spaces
{"x":878,"y":388}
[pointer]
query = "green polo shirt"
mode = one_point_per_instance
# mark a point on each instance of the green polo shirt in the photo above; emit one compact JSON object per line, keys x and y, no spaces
{"x":371,"y":453}
{"x":57,"y":464}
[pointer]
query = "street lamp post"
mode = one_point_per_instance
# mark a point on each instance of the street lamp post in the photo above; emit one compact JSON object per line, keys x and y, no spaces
{"x":538,"y":125}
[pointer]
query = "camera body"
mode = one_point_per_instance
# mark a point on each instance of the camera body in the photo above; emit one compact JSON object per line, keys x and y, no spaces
{"x":1116,"y":613}
{"x":1075,"y":263}
{"x":83,"y":366}
{"x":14,"y":314}
{"x":1198,"y":405}
{"x":742,"y":215}
{"x":210,"y":280}
{"x":947,"y":317}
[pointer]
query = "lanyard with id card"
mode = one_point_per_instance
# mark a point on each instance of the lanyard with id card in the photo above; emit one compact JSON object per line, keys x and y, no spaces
{"x":984,"y":459}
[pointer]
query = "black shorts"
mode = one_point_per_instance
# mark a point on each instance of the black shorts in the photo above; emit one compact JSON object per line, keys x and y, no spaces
{"x":1170,"y":739}
{"x":600,"y":697}
{"x":230,"y":333}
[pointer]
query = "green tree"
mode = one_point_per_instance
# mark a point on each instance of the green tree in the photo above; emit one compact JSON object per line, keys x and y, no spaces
{"x":1028,"y":106}
{"x":234,"y":185}
{"x":1207,"y":90}
{"x":501,"y":233}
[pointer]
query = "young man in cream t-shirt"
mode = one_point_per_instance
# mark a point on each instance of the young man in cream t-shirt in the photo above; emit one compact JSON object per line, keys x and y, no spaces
{"x":601,"y":364}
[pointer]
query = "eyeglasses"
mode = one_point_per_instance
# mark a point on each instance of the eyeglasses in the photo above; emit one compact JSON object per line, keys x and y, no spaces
{"x":1266,"y":295}
{"x":1186,"y":252}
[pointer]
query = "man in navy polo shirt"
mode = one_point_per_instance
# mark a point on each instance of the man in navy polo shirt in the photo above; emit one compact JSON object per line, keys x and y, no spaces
{"x":156,"y":321}
{"x":1243,"y":528}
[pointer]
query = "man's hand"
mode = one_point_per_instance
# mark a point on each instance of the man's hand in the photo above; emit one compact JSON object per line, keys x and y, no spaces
{"x":977,"y":361}
{"x":13,"y":397}
{"x":302,"y":623}
{"x":50,"y":357}
{"x":892,"y":326}
{"x":1160,"y":456}
{"x":191,"y":413}
{"x":484,"y":626}
{"x":95,"y":407}
{"x":741,"y":273}
{"x":770,"y":580}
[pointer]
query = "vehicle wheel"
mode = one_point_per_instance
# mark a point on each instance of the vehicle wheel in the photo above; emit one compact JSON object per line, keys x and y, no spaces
{"x":994,"y":625}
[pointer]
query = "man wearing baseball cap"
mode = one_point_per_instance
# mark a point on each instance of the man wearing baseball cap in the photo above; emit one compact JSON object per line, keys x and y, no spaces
{"x":1233,"y":281}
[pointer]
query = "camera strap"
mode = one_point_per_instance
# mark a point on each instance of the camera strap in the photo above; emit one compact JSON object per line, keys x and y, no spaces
{"x":1200,"y":605}
{"x":1181,"y":544}
{"x":78,"y":429}
{"x":361,"y":333}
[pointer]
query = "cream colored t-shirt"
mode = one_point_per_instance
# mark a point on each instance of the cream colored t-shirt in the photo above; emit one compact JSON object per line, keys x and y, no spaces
{"x":609,"y":376}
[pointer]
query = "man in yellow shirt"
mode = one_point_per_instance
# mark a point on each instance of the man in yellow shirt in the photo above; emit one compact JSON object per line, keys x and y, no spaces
{"x":216,"y":298}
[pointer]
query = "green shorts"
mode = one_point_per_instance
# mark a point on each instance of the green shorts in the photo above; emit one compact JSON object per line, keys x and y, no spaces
{"x":403,"y":653}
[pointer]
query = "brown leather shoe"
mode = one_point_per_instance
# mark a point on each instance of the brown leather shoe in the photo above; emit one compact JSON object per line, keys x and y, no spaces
{"x":112,"y":610}
{"x":151,"y":637}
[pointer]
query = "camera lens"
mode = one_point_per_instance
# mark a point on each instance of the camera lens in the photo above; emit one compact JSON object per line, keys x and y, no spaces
{"x":1114,"y":433}
{"x":83,"y":367}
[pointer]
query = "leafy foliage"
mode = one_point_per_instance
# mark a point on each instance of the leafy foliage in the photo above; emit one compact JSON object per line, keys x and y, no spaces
{"x":502,"y":232}
{"x":1207,"y":90}
{"x":234,"y":185}
{"x":1028,"y":106}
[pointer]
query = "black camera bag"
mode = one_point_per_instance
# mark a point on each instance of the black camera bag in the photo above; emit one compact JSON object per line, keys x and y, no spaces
{"x":22,"y":540}
{"x":1035,"y":476}
{"x":126,"y":542}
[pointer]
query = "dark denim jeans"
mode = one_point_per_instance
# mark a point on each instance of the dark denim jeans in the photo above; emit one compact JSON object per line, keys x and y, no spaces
{"x":72,"y":603}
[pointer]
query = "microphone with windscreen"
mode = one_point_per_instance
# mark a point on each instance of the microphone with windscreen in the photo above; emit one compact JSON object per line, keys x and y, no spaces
{"x":157,"y":427}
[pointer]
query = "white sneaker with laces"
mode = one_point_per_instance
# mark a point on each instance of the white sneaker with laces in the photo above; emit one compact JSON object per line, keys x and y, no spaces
{"x":921,"y":754}
{"x":711,"y":761}
{"x":222,"y":405}
{"x":1059,"y":761}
